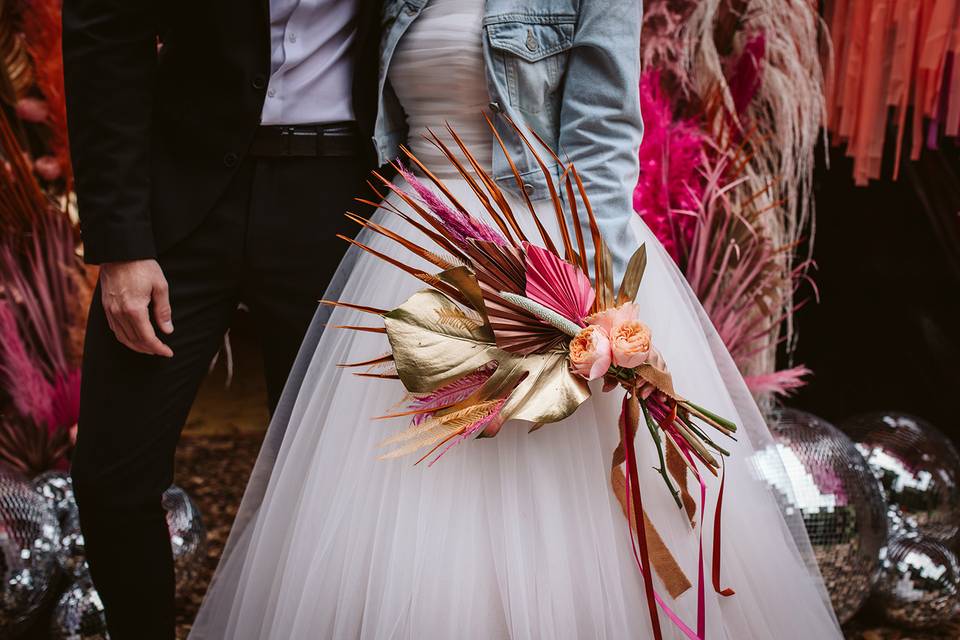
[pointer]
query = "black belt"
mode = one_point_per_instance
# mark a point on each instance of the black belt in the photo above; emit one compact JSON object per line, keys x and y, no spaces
{"x":306,"y":140}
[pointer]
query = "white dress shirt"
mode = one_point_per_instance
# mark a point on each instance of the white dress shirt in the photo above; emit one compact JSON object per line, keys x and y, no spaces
{"x":311,"y":71}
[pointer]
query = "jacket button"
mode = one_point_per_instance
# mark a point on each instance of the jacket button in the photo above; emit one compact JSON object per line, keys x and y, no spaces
{"x":494,"y":106}
{"x":410,"y":10}
{"x":528,"y":189}
{"x":230,"y":160}
{"x":259,"y":82}
{"x":532,"y":43}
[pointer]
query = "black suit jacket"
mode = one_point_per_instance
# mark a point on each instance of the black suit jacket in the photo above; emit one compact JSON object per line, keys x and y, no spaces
{"x":157,"y":133}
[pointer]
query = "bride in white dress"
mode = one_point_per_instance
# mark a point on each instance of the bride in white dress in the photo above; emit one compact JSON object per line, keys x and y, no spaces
{"x":518,"y":536}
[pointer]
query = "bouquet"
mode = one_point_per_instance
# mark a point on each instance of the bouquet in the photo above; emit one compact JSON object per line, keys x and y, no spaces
{"x":508,"y":329}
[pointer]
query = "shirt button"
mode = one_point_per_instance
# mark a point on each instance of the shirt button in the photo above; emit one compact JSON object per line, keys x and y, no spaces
{"x":494,"y":106}
{"x":230,"y":160}
{"x":259,"y":82}
{"x":271,"y":93}
{"x":528,"y":189}
{"x":292,"y":37}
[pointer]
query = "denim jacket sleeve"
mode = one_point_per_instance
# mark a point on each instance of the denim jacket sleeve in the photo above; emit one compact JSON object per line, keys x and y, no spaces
{"x":600,"y":122}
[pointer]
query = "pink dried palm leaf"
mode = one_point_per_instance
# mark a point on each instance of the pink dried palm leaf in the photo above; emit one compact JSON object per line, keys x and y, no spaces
{"x":558,"y":285}
{"x":42,"y":288}
{"x":739,"y":274}
{"x":41,"y":281}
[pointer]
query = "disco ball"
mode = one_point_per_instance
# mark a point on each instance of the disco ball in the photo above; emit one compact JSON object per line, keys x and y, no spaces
{"x":919,"y":585}
{"x":57,"y":488}
{"x":918,"y":467}
{"x":897,"y":524}
{"x":79,"y":614}
{"x":814,"y":469}
{"x":188,"y":537}
{"x":29,"y":541}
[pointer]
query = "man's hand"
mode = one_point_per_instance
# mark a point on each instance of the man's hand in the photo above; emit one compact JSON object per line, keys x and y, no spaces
{"x":129,"y":290}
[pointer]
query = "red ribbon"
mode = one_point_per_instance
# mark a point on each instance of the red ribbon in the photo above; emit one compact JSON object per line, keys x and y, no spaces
{"x":629,"y":417}
{"x":716,"y":536}
{"x":633,"y":498}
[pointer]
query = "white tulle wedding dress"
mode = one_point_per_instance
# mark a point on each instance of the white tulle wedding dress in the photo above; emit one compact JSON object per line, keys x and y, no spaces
{"x":518,"y":536}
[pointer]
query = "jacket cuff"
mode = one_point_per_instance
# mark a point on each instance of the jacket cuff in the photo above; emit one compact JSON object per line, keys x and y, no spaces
{"x":120,"y":243}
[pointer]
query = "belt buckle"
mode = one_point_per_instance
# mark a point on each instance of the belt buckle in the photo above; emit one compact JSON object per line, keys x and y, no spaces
{"x":286,"y":137}
{"x":296,"y":141}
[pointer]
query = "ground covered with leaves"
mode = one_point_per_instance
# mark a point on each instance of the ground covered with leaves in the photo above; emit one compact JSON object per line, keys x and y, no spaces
{"x":213,"y":470}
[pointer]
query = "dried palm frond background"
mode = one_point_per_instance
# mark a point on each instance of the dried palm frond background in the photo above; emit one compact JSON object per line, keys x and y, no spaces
{"x":44,"y":286}
{"x":44,"y":292}
{"x":733,"y":99}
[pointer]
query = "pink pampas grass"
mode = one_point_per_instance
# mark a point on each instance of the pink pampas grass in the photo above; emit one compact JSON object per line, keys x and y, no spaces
{"x":670,"y":185}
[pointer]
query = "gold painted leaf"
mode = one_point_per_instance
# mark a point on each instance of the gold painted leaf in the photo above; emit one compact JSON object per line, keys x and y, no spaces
{"x":429,"y":354}
{"x":633,"y":276}
{"x":540,"y":388}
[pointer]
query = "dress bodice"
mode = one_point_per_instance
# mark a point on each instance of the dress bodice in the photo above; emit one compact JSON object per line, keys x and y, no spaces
{"x":438,"y":75}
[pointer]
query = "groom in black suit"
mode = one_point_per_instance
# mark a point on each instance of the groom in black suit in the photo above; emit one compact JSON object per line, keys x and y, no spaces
{"x":216,"y":144}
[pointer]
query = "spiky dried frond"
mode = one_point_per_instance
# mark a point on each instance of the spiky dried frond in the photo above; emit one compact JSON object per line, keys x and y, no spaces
{"x":495,"y":256}
{"x":43,"y":294}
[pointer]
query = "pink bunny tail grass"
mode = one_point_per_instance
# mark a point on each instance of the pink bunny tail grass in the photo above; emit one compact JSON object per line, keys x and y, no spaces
{"x":557,"y":284}
{"x":452,"y":393}
{"x":20,"y":376}
{"x":463,"y":226}
{"x":473,"y":429}
{"x":782,"y":383}
{"x":670,"y":184}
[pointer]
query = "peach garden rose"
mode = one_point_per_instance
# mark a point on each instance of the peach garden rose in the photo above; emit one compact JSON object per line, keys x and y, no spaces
{"x":590,"y":354}
{"x":630,"y":344}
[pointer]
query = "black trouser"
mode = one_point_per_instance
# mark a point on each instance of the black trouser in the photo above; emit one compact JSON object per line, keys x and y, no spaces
{"x":268,"y":243}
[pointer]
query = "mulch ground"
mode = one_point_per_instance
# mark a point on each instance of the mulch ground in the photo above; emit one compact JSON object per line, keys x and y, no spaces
{"x":213,"y":468}
{"x":214,"y":471}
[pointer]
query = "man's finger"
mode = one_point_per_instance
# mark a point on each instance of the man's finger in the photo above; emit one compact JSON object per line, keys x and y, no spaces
{"x":162,"y":313}
{"x":146,"y":337}
{"x":120,"y":330}
{"x":127,"y":334}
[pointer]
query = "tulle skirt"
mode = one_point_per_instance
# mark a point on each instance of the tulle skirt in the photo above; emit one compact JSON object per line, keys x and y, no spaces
{"x":519,"y":536}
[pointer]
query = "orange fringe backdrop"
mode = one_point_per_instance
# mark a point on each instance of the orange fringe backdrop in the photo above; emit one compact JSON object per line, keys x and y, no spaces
{"x":894,"y":59}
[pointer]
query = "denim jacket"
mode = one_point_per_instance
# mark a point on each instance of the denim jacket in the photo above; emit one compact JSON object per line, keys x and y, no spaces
{"x":567,"y":69}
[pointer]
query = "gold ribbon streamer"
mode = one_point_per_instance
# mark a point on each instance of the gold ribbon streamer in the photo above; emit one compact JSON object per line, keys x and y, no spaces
{"x":661,"y":558}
